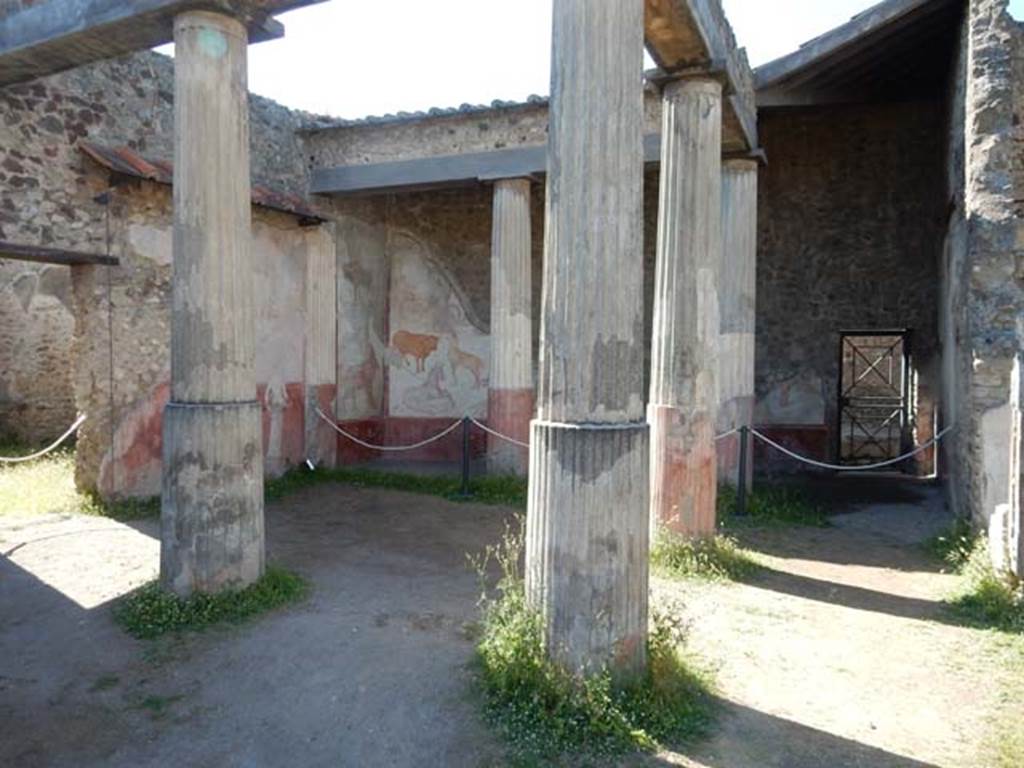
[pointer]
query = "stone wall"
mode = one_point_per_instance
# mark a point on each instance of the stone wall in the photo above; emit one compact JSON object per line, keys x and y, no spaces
{"x":46,"y":198}
{"x":850,"y":220}
{"x":442,"y":239}
{"x":441,"y":132}
{"x":122,"y":352}
{"x":985,"y":255}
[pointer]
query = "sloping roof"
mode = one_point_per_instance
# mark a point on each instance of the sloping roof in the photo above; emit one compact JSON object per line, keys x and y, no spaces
{"x":327,"y":123}
{"x":127,"y":162}
{"x":896,"y":47}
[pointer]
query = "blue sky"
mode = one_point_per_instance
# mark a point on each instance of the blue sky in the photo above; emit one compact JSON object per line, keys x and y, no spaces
{"x":350,"y":59}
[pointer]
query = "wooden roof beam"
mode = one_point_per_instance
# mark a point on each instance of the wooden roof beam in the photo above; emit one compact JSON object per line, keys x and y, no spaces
{"x":42,"y":255}
{"x":694,"y":35}
{"x":51,"y":36}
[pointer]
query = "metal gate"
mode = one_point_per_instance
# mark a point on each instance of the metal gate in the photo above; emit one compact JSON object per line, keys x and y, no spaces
{"x":874,"y":391}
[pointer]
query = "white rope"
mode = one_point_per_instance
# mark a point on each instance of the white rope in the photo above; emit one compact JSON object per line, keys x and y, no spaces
{"x":490,"y":431}
{"x":724,"y":435}
{"x":861,"y":468}
{"x":373,"y":447}
{"x":71,"y":430}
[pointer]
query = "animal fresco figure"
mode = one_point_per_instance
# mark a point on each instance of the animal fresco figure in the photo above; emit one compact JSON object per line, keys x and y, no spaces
{"x":468,"y":361}
{"x":418,"y":346}
{"x":432,"y":397}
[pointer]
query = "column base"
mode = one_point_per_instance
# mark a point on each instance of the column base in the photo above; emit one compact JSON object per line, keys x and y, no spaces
{"x":683,"y":471}
{"x":587,"y":543}
{"x":509,"y":412}
{"x":211,"y":521}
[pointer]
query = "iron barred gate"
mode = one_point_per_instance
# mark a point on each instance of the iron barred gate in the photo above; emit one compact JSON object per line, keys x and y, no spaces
{"x":874,"y":394}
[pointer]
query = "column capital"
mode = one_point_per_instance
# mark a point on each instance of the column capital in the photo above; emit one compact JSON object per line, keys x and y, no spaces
{"x":223,"y":21}
{"x":757,"y":157}
{"x":512,"y":181}
{"x":714,"y":71}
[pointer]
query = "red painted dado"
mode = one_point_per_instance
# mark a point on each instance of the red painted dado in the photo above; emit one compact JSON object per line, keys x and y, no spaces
{"x":810,"y":440}
{"x":135,"y":469}
{"x":369,"y":430}
{"x":509,"y":412}
{"x":139,"y":440}
{"x":397,"y":431}
{"x":683,"y":485}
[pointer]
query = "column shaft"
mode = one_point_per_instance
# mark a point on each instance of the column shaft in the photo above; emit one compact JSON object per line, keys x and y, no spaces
{"x":587,"y":526}
{"x":510,"y":397}
{"x":212,"y":501}
{"x":737,"y":288}
{"x":1014,"y":536}
{"x":682,"y":405}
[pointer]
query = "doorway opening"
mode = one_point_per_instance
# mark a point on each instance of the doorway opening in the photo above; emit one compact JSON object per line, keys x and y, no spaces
{"x":874,"y":414}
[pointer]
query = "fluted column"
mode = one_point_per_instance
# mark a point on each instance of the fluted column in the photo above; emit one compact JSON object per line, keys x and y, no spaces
{"x":1014,"y":535}
{"x":737,"y":289}
{"x":587,"y":532}
{"x":212,"y":501}
{"x":510,"y":397}
{"x":681,"y":409}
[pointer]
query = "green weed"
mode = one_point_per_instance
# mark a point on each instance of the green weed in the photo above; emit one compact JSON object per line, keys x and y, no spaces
{"x":770,"y":506}
{"x":988,"y":599}
{"x":543,"y":711}
{"x":712,"y":558}
{"x":151,"y":611}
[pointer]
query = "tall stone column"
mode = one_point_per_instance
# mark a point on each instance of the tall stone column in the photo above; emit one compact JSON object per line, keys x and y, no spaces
{"x":1012,"y":540}
{"x":587,"y":532}
{"x":682,"y":405}
{"x":737,"y":290}
{"x":212,"y":505}
{"x":510,"y":397}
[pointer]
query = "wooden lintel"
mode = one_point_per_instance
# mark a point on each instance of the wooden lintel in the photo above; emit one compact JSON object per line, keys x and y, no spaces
{"x":445,"y":171}
{"x":44,"y":255}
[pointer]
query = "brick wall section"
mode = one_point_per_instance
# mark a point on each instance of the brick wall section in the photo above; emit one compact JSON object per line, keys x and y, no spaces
{"x":850,"y":221}
{"x":46,"y":199}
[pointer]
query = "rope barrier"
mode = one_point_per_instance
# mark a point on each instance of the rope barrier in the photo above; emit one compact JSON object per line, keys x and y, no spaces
{"x":724,"y":435}
{"x":71,"y":430}
{"x":842,"y":468}
{"x":395,"y":448}
{"x":497,"y":434}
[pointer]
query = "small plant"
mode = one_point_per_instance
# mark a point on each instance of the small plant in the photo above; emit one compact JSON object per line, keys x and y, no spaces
{"x":714,"y":558}
{"x":989,"y":599}
{"x":770,"y":506}
{"x":544,"y":711}
{"x":151,"y":611}
{"x":954,"y":547}
{"x":509,"y":491}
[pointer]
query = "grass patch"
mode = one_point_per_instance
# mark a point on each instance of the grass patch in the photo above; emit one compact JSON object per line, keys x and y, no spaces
{"x":544,"y":712}
{"x":509,"y":491}
{"x":47,"y":486}
{"x":151,"y":611}
{"x":988,"y":599}
{"x":770,"y":506}
{"x":712,"y":558}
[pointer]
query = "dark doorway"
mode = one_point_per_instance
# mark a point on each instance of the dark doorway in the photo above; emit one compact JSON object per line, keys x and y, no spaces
{"x":874,"y":394}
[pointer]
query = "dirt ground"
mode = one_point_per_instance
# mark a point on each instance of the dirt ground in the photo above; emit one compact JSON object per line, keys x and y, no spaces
{"x":838,"y":655}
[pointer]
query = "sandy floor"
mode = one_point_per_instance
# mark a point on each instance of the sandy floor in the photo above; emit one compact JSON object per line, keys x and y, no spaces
{"x":837,"y":656}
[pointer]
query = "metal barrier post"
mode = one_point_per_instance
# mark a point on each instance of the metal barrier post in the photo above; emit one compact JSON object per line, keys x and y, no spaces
{"x":741,"y":480}
{"x":465,"y":455}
